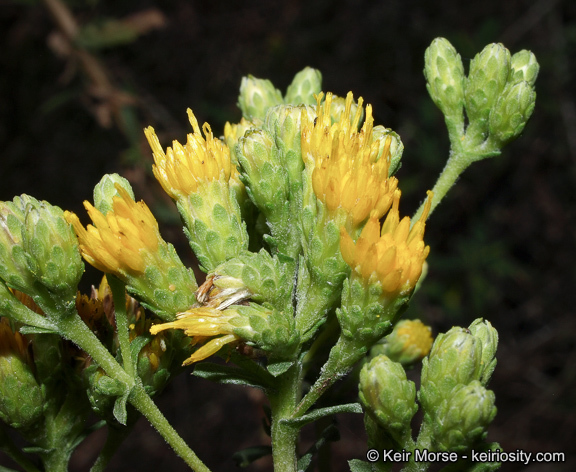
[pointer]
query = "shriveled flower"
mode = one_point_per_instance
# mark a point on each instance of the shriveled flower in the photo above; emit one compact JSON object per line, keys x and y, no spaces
{"x":183,"y":167}
{"x":124,"y":241}
{"x":203,"y":323}
{"x":393,"y":255}
{"x":349,"y":170}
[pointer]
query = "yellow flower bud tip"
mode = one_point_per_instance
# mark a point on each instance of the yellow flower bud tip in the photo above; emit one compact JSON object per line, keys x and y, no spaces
{"x":183,"y":167}
{"x":347,"y":171}
{"x":121,"y":242}
{"x":416,"y":337}
{"x":392,"y":256}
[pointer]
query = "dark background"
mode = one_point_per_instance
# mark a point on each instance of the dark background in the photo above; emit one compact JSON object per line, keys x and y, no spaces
{"x":502,"y":243}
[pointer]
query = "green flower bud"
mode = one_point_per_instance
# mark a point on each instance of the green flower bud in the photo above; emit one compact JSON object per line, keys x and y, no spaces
{"x":445,"y":78}
{"x":13,"y":262}
{"x":214,"y":225}
{"x":455,"y":359}
{"x":306,"y":84}
{"x":256,"y":96}
{"x":259,"y":276}
{"x":52,"y":250}
{"x":396,"y":147}
{"x":523,"y":68}
{"x":105,"y":191}
{"x":271,"y":330}
{"x":463,"y":420}
{"x":388,"y":396}
{"x":511,"y":112}
{"x":38,"y":249}
{"x":266,"y":181}
{"x":487,"y":78}
{"x":488,"y":336}
{"x":21,"y":397}
{"x":409,"y":342}
{"x":284,"y":122}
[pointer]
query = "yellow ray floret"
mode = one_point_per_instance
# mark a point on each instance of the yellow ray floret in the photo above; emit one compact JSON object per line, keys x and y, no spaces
{"x":202,"y":323}
{"x":347,"y":171}
{"x":182,"y":167}
{"x":393,"y":255}
{"x":121,"y":242}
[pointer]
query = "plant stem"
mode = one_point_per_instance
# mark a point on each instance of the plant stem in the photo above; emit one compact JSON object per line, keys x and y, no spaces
{"x":144,"y":404}
{"x":342,"y":357}
{"x":285,"y":435}
{"x":119,"y":295}
{"x":457,"y":163}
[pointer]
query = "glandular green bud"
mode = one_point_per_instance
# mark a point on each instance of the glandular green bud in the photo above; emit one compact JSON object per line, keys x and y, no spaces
{"x":524,"y":68}
{"x":488,"y":337}
{"x":511,"y":112}
{"x":487,"y":78}
{"x":256,"y":96}
{"x":463,"y":420}
{"x":388,"y":396}
{"x":52,"y":250}
{"x":284,"y":123}
{"x":105,"y":191}
{"x":264,"y":176}
{"x":21,"y":397}
{"x":268,"y":329}
{"x":13,"y":264}
{"x":455,"y":359}
{"x":306,"y":84}
{"x":38,"y":248}
{"x":445,"y":77}
{"x":396,"y":146}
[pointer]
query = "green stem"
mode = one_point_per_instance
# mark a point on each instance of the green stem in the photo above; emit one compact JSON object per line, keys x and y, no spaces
{"x":424,"y":441}
{"x":341,"y":359}
{"x":144,"y":404}
{"x":73,"y":328}
{"x":457,"y":163}
{"x":285,"y":435}
{"x":119,"y":294}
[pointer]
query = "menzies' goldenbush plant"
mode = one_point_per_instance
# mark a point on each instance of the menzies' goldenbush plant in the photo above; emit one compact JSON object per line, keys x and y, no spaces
{"x":295,"y":216}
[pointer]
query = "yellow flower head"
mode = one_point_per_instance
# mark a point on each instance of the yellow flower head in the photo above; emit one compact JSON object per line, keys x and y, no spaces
{"x":202,"y":323}
{"x":393,"y":255}
{"x":347,"y":171}
{"x":183,"y":167}
{"x":121,"y":242}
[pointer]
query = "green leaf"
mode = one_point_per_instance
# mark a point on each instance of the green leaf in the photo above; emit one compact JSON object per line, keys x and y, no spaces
{"x":246,"y":456}
{"x":278,"y":368}
{"x":322,"y":412}
{"x":119,"y":411}
{"x":226,"y":374}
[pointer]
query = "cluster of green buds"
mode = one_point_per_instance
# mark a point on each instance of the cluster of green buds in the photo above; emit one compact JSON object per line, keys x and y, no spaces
{"x":457,"y":406}
{"x":483,"y":111}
